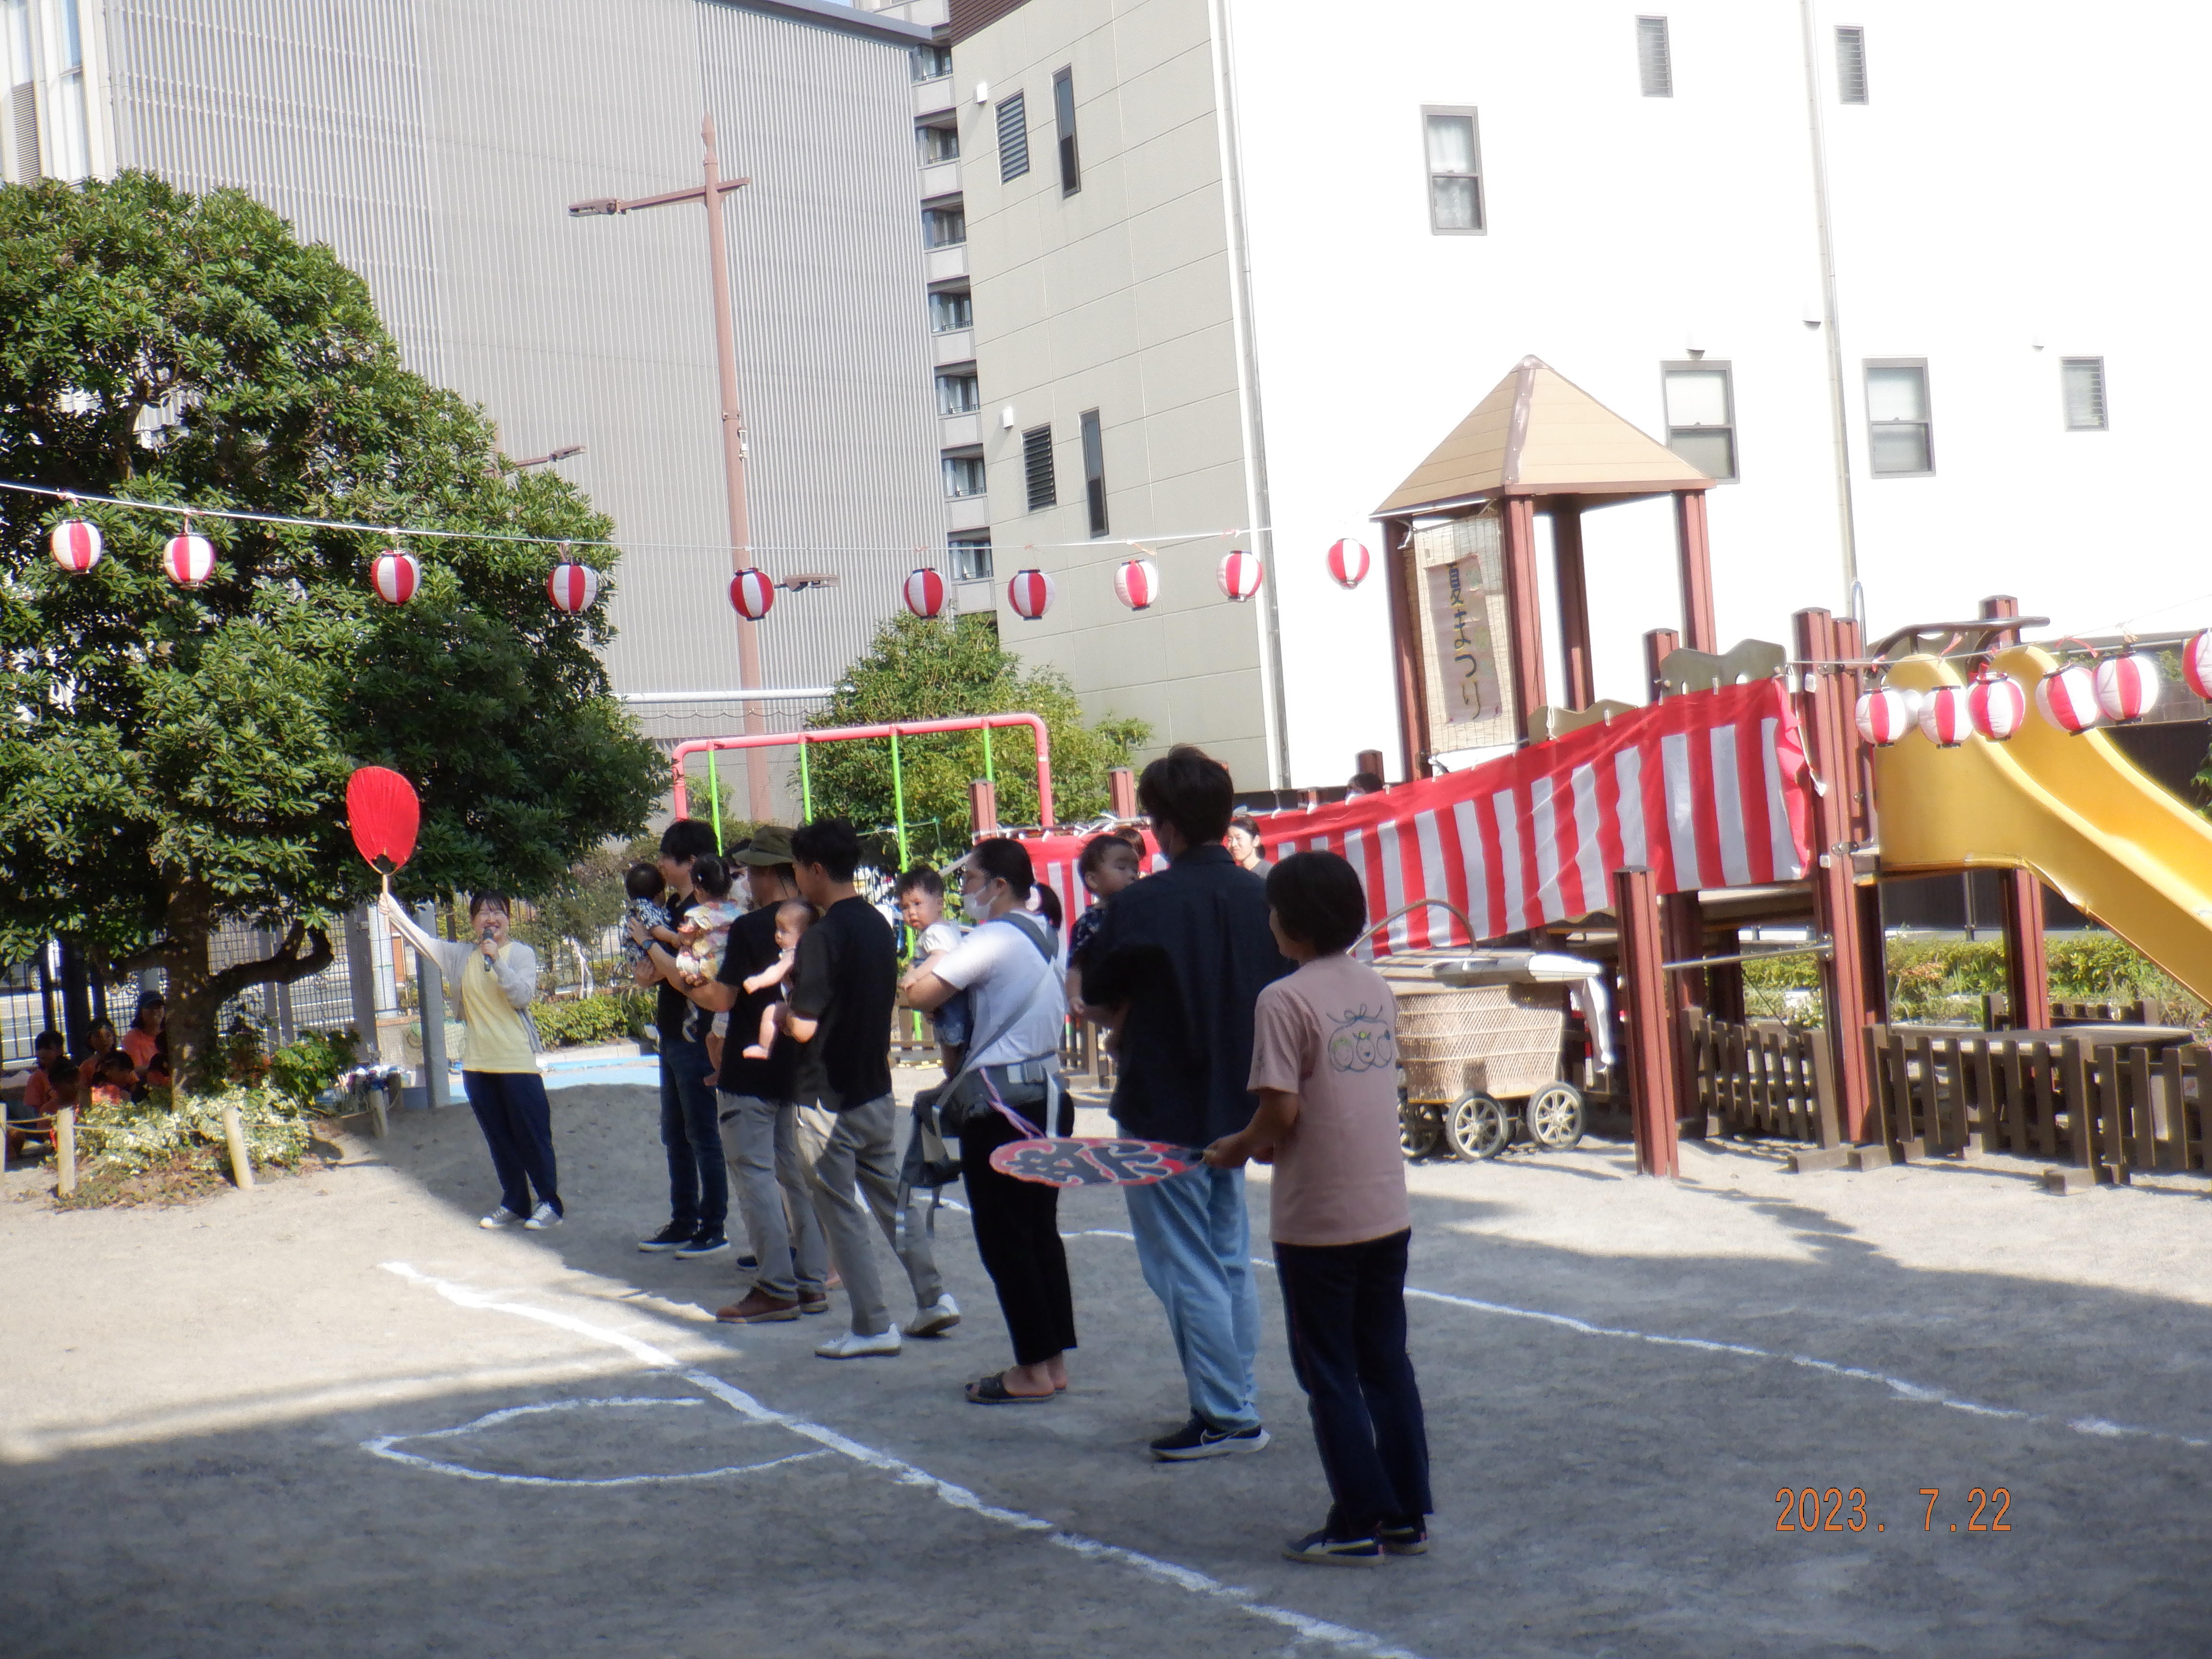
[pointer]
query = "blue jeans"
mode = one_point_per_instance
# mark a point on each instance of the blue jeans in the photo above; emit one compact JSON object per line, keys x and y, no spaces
{"x":1194,"y":1244}
{"x":691,"y":1131}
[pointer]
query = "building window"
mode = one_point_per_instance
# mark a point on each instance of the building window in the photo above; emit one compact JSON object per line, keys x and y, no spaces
{"x":1037,"y":468}
{"x":931,"y":63}
{"x":963,"y":476}
{"x":971,"y":558}
{"x":938,"y":144}
{"x":1900,"y":438}
{"x":1455,"y":172}
{"x":944,"y":226}
{"x":1013,"y":138}
{"x":951,"y":310}
{"x":1063,"y":114}
{"x":1655,"y":58}
{"x":22,"y":112}
{"x":1851,"y":66}
{"x":1701,"y":417}
{"x":2084,"y":380}
{"x":956,"y":392}
{"x":1094,"y":471}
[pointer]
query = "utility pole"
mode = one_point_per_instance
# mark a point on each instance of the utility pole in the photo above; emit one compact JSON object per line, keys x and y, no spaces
{"x":712,"y":188}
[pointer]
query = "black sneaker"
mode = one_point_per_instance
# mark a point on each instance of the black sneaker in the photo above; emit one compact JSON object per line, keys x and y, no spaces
{"x":1403,"y":1537}
{"x":668,"y":1237}
{"x":1325,"y":1551}
{"x":1199,"y":1439}
{"x":702,"y":1244}
{"x":747,"y":1264}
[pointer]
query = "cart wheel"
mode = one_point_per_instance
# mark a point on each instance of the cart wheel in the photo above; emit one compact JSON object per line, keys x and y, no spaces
{"x":1478,"y":1126}
{"x":1554,"y":1113}
{"x":1420,"y":1131}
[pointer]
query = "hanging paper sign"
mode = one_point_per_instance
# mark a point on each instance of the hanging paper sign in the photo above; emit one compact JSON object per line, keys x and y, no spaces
{"x":1457,"y":575}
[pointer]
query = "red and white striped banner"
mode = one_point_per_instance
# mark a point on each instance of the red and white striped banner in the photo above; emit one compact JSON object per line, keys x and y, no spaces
{"x":1707,"y":790}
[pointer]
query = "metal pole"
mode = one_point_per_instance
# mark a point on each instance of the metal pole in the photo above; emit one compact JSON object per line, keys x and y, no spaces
{"x":898,"y":798}
{"x":989,"y":776}
{"x":714,"y":799}
{"x":1838,"y":418}
{"x":430,"y":999}
{"x":734,"y":462}
{"x":806,"y":785}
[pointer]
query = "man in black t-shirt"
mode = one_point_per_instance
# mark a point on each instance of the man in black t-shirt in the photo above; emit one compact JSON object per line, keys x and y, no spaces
{"x":759,"y":1130}
{"x":844,"y":982}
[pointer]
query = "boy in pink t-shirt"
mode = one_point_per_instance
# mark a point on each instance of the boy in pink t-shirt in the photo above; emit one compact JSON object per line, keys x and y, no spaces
{"x":1325,"y":1064}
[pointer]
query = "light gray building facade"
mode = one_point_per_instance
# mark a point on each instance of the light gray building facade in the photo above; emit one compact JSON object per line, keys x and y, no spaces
{"x":436,"y":144}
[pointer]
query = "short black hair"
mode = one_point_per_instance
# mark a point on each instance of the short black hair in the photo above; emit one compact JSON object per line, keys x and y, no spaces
{"x":642,"y":881}
{"x":1318,"y":900}
{"x":1367,"y":783}
{"x":686,"y":838}
{"x":48,"y":1039}
{"x":65,"y":1075}
{"x":922,"y":878}
{"x":711,"y":876}
{"x":116,"y":1060}
{"x":1134,"y":834}
{"x":1093,"y":855}
{"x":1191,"y":790}
{"x":487,"y":902}
{"x":1007,"y":859}
{"x":833,"y":843}
{"x":100,"y":1024}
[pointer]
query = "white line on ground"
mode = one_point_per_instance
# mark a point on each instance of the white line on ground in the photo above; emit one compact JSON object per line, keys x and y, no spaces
{"x":1311,"y":1629}
{"x":1914,"y":1391}
{"x":381,"y":1446}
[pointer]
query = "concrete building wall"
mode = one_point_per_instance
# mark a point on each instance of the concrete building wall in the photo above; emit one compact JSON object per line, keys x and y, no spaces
{"x":437,"y":143}
{"x":1117,"y":298}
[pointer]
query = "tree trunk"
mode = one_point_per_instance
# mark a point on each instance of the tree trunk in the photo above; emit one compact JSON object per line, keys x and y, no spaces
{"x":195,"y":1000}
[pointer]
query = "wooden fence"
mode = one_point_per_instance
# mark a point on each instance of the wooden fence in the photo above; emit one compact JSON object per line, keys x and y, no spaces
{"x":2099,"y":1107}
{"x":1997,"y":1012}
{"x":1762,"y":1078}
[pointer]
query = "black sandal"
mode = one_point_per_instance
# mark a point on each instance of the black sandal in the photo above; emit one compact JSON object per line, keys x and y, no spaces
{"x":992,"y":1391}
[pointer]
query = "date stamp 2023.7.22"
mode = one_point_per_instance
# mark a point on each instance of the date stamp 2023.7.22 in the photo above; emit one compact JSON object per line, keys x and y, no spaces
{"x":1834,"y":1509}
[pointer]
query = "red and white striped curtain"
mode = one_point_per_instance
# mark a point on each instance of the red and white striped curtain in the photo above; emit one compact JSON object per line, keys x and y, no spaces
{"x":1706,"y":790}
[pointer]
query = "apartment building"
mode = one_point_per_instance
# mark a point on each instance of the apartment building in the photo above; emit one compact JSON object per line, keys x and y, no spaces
{"x":1234,"y":277}
{"x":436,"y":145}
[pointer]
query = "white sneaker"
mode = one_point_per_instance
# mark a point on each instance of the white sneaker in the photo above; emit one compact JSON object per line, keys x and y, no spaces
{"x":941,"y":1315}
{"x":502,"y":1216}
{"x":543,"y":1219}
{"x":854,"y":1346}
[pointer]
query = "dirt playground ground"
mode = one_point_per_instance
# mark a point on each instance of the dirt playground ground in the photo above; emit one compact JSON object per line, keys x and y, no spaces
{"x":333,"y":1417}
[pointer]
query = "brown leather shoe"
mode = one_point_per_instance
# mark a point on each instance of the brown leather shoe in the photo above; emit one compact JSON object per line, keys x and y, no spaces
{"x":759,"y":1308}
{"x":814,"y":1302}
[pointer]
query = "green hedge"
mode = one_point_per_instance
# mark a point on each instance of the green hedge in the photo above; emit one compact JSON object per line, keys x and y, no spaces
{"x":608,"y":1017}
{"x":1945,"y":979}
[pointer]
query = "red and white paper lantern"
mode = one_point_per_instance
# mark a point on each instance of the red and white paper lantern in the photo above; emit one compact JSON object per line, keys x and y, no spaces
{"x":396,"y":575}
{"x":2197,"y":665}
{"x":1884,"y":716}
{"x":752,"y":594}
{"x":1945,"y":720}
{"x":189,"y":559}
{"x":1137,"y":584}
{"x":75,"y":544}
{"x":925,"y":593}
{"x":1996,"y":704}
{"x":2067,"y":698}
{"x":1030,"y":594}
{"x":1347,"y":563}
{"x":2127,"y":687}
{"x":1241,"y":574}
{"x":572,"y":586}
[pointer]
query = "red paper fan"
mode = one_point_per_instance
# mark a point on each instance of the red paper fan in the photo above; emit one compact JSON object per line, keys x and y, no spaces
{"x":383,"y":813}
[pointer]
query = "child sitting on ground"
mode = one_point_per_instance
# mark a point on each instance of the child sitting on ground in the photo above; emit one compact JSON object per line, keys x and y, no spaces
{"x":1324,"y":1066}
{"x":793,"y":918}
{"x":921,"y":907}
{"x":30,"y":1117}
{"x":59,"y":1090}
{"x":703,"y":935}
{"x":116,"y":1082}
{"x":646,"y":890}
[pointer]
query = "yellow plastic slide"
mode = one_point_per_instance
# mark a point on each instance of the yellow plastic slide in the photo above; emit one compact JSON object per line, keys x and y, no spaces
{"x":2073,"y":808}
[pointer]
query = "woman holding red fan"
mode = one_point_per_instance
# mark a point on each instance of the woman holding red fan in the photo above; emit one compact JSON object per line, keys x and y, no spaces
{"x":492,"y":980}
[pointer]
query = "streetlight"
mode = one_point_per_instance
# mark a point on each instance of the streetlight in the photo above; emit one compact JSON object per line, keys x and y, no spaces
{"x":712,"y":188}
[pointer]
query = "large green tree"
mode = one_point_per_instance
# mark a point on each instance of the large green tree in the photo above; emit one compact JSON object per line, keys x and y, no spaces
{"x":915,"y":670}
{"x":174,"y":758}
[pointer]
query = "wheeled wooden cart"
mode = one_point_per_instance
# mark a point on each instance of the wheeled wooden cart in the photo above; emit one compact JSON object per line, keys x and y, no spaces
{"x":1481,"y":1042}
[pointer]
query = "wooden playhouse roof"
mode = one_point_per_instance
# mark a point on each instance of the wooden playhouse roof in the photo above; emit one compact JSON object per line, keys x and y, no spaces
{"x":1539,"y":434}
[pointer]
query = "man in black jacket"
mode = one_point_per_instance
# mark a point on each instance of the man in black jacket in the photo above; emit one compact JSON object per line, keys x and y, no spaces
{"x":1178,"y":961}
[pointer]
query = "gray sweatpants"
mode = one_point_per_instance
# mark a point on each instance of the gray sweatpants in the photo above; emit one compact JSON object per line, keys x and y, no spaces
{"x":760,"y":1141}
{"x":852,"y":1165}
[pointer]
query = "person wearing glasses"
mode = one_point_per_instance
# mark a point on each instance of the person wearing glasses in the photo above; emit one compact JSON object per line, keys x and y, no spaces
{"x":492,"y":979}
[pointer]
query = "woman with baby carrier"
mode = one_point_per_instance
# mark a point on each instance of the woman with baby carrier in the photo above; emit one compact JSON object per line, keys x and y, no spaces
{"x":1007,"y":1089}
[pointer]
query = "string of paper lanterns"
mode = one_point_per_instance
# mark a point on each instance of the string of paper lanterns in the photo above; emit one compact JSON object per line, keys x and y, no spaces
{"x":2081,"y":696}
